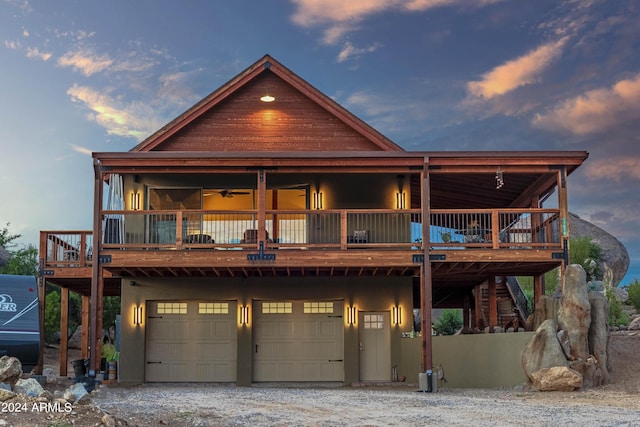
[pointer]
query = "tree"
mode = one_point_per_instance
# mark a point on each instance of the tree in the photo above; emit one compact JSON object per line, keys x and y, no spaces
{"x":22,"y":261}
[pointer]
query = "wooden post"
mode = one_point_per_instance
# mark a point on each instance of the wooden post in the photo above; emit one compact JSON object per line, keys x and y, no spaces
{"x":262,"y":199}
{"x":493,"y":302}
{"x":425,"y":273}
{"x":84,"y":345}
{"x":563,"y":205}
{"x":466,"y":307}
{"x":64,"y":331}
{"x":538,"y":288}
{"x":479,"y":323}
{"x":96,"y":276}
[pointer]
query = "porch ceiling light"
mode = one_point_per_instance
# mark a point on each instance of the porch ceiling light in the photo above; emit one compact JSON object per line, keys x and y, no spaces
{"x":267,"y":98}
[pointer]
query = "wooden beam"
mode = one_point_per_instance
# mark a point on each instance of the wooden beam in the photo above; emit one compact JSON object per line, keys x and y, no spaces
{"x":96,"y":276}
{"x":64,"y":331}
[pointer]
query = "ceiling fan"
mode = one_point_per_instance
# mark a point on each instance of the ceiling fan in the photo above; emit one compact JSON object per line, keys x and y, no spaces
{"x":230,"y":193}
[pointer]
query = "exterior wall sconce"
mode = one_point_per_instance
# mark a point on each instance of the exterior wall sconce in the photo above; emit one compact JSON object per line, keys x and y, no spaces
{"x":401,"y":200}
{"x":244,"y":315}
{"x":137,"y":315}
{"x":267,"y":98}
{"x":352,"y":315}
{"x":396,"y":315}
{"x":135,"y":201}
{"x":317,"y":200}
{"x":499,"y":178}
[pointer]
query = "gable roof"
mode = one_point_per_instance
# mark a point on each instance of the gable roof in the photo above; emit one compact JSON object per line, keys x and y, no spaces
{"x":229,"y":119}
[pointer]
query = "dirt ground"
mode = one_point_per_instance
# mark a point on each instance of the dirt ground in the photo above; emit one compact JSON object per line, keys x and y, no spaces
{"x":619,"y":395}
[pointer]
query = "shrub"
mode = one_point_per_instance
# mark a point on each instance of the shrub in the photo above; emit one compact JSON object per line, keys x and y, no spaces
{"x":449,"y":322}
{"x":634,"y":294}
{"x":616,"y":316}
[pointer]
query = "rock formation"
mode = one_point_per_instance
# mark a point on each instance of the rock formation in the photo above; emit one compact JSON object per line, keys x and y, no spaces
{"x":572,"y":340}
{"x":614,"y":254}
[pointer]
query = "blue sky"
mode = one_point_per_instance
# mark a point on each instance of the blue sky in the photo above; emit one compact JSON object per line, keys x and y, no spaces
{"x":84,"y":76}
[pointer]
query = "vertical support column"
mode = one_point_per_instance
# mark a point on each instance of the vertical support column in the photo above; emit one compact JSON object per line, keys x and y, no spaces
{"x":425,"y":272}
{"x":64,"y":331}
{"x":493,"y":302}
{"x":84,"y":344}
{"x":466,"y":307}
{"x":96,"y":276}
{"x":563,"y":205}
{"x":262,"y":199}
{"x":478,"y":315}
{"x":538,"y":288}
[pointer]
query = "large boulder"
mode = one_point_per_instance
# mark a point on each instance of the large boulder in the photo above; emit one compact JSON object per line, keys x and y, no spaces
{"x":614,"y":255}
{"x":559,"y":378}
{"x":29,"y":387}
{"x":574,"y":315}
{"x":75,"y":341}
{"x":547,"y":307}
{"x":10,"y":369}
{"x":543,"y":350}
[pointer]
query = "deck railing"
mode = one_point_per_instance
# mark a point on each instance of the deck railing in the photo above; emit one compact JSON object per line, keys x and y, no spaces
{"x":67,"y":248}
{"x":309,"y":229}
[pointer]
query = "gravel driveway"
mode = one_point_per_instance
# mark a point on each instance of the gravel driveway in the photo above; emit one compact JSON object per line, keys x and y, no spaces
{"x":278,"y":406}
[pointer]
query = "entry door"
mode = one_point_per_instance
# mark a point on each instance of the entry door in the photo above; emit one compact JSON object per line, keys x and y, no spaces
{"x":375,"y":346}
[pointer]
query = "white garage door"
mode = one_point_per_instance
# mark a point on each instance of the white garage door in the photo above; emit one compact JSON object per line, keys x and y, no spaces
{"x":298,"y":341}
{"x":191,"y":341}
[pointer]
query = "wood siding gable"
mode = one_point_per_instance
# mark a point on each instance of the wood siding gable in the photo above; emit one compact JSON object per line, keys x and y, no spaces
{"x":233,"y":119}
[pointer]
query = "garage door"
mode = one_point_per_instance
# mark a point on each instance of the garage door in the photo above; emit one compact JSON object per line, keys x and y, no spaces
{"x":298,"y":341}
{"x":191,"y":341}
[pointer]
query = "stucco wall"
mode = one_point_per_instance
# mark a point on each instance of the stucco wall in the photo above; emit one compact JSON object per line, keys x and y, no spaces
{"x":471,"y":361}
{"x":367,"y":294}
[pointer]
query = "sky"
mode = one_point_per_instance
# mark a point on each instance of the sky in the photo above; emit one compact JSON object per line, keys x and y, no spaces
{"x":81,"y":76}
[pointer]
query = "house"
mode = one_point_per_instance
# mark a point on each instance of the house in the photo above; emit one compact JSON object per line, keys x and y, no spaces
{"x":268,"y":234}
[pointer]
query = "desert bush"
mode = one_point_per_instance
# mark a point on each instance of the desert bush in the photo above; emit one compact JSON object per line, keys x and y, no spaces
{"x":634,"y":294}
{"x":449,"y":322}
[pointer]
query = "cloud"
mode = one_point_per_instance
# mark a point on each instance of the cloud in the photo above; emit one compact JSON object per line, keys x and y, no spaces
{"x":134,"y":120}
{"x":617,"y":169}
{"x":85,"y":61}
{"x":341,"y":16}
{"x":35,"y":53}
{"x":81,"y":150}
{"x":12,"y":44}
{"x":513,"y":74}
{"x":597,"y":110}
{"x":349,"y":50}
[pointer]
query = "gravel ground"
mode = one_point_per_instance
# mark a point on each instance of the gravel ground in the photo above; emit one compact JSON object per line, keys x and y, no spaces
{"x":239,"y":406}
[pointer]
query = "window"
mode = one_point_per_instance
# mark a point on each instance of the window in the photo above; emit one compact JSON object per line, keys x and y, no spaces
{"x":172,"y":308}
{"x":374,"y":321}
{"x":277,"y":307}
{"x":213,"y":308}
{"x":318,"y":307}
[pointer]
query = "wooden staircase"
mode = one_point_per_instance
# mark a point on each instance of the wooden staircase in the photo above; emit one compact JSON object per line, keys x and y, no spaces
{"x":511,"y":302}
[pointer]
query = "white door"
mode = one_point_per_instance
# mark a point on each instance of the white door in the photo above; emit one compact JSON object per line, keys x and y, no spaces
{"x":191,"y":341}
{"x":375,"y":346}
{"x":298,"y":341}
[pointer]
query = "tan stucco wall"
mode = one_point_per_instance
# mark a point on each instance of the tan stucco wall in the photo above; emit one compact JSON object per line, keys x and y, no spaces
{"x":367,"y":294}
{"x":471,"y":361}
